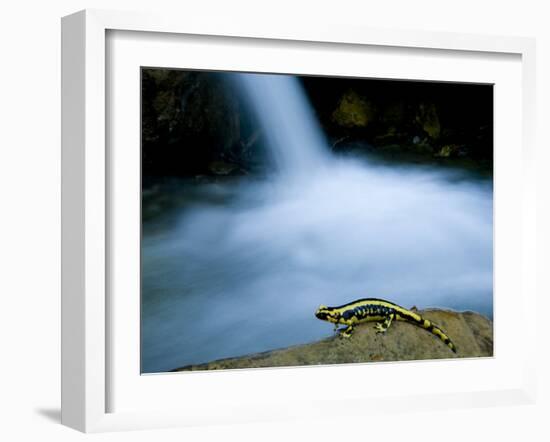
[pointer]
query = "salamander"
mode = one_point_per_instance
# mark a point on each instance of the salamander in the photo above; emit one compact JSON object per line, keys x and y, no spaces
{"x":379,"y":311}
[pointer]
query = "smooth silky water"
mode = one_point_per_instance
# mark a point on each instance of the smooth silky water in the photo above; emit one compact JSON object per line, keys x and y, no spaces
{"x":241,"y":266}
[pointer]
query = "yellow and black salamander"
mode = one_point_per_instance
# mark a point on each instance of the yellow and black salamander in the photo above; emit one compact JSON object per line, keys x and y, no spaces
{"x":376,"y":310}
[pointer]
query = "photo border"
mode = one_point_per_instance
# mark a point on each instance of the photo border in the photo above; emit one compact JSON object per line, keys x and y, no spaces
{"x":85,"y":201}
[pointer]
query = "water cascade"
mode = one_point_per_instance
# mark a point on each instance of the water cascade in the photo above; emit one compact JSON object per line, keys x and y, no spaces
{"x":246,"y":274}
{"x":296,"y":142}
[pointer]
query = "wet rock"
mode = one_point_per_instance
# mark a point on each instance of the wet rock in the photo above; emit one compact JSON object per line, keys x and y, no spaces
{"x":471,"y":332}
{"x":447,"y":151}
{"x":421,"y":146}
{"x":221,"y":168}
{"x":428,"y":119}
{"x":189,"y":120}
{"x":354,"y":111}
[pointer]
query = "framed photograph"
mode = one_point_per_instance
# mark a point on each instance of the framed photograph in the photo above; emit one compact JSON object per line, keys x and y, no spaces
{"x":253,"y":214}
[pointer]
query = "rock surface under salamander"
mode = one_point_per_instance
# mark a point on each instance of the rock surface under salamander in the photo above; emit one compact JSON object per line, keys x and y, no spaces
{"x":472,"y":333}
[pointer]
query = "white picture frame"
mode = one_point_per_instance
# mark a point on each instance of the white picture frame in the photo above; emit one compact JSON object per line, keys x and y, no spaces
{"x":86,"y":316}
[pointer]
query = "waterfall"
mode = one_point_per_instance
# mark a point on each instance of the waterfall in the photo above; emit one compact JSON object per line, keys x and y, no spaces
{"x":296,"y":141}
{"x":243,"y":266}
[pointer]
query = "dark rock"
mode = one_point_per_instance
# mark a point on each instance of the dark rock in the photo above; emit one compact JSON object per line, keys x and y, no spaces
{"x":448,"y":150}
{"x":428,"y":119}
{"x":394,"y":113}
{"x":354,"y":111}
{"x":189,"y":120}
{"x":222,"y":168}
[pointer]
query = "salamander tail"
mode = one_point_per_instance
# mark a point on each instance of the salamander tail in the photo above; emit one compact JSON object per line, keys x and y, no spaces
{"x":432,"y":328}
{"x":428,"y":325}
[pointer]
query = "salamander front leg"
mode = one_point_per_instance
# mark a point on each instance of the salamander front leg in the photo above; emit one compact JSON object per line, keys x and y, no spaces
{"x":346,"y":333}
{"x":382,"y":327}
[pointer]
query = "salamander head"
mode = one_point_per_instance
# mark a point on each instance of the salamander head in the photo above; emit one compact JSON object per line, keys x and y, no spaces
{"x":327,"y":314}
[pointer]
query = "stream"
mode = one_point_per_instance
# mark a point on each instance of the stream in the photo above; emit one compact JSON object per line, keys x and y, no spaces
{"x":239,"y":266}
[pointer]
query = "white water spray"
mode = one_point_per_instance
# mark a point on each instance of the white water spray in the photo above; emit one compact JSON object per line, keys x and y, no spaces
{"x":296,"y":141}
{"x":246,"y":275}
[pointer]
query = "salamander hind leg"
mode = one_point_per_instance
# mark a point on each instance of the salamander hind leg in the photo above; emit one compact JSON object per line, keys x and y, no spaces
{"x":382,"y":327}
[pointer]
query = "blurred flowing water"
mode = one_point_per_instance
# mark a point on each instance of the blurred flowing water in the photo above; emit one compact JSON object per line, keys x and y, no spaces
{"x":296,"y":142}
{"x":242,"y":265}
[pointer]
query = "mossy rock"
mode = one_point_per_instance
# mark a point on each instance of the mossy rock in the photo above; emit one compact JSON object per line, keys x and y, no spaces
{"x":449,"y":150}
{"x":354,"y":111}
{"x":428,"y":119}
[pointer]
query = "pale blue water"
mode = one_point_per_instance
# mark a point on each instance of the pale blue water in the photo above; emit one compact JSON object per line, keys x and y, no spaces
{"x":242,"y":266}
